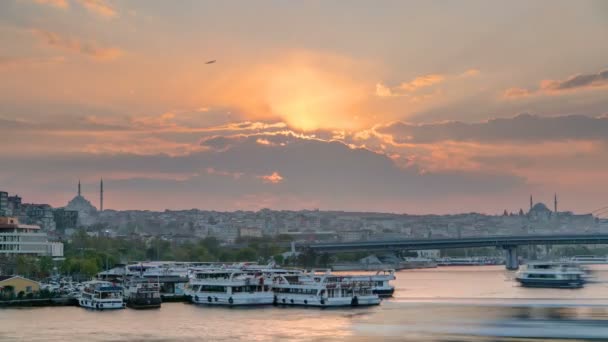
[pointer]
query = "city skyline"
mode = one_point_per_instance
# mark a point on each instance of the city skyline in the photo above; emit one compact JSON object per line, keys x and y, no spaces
{"x":393,"y":108}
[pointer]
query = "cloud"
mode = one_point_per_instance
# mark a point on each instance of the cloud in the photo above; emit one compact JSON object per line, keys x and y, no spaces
{"x":99,"y":7}
{"x":274,"y":178}
{"x":422,"y":82}
{"x":524,"y":127}
{"x":90,"y":49}
{"x":583,"y":81}
{"x":574,"y":83}
{"x":328,"y":173}
{"x":384,"y":91}
{"x":470,"y":73}
{"x":413,"y":88}
{"x":514,"y":93}
{"x":54,"y":3}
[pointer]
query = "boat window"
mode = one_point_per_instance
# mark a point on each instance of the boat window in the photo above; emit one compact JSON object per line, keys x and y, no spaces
{"x":213,"y":288}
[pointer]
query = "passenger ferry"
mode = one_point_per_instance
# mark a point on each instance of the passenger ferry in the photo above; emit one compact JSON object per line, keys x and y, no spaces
{"x":380,"y":282}
{"x":324,"y":290}
{"x":142,"y":294}
{"x":229,"y":287}
{"x":589,"y":260}
{"x":101,"y":295}
{"x":552,"y":275}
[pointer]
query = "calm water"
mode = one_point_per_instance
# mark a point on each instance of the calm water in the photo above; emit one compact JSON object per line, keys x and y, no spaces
{"x":444,"y":304}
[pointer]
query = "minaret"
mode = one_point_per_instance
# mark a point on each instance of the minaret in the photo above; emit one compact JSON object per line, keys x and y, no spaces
{"x":79,"y":188}
{"x":101,"y":195}
{"x":555,"y":203}
{"x":531,"y":203}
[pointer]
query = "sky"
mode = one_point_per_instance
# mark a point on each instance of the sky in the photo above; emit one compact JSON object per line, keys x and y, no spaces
{"x":393,"y":106}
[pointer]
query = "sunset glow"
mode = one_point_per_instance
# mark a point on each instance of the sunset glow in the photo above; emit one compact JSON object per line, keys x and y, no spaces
{"x":373,"y":110}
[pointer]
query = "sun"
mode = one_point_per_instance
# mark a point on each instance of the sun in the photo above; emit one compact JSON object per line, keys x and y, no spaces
{"x":310,"y":98}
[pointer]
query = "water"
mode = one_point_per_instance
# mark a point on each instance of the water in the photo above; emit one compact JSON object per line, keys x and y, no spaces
{"x":444,"y":304}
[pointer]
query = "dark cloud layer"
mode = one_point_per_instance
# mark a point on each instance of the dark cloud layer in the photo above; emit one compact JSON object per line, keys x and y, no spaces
{"x":579,"y":81}
{"x":330,"y":173}
{"x":522,"y":128}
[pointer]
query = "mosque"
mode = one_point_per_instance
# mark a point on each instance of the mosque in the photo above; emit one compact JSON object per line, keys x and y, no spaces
{"x":86,"y":211}
{"x":539,"y":212}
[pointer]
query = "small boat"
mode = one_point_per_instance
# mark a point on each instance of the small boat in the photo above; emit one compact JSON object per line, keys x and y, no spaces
{"x":326,"y":290}
{"x":229,"y":287}
{"x":142,"y":294}
{"x":552,"y":275}
{"x":101,"y":295}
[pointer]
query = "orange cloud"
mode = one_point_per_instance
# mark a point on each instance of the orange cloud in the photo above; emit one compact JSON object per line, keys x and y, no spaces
{"x":89,"y":49}
{"x":55,"y":3}
{"x":99,"y":7}
{"x":273,"y":178}
{"x":513,"y":93}
{"x":422,"y":82}
{"x":470,"y":73}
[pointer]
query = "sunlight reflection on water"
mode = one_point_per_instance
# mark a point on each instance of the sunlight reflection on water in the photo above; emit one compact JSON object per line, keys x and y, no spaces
{"x":446,"y":304}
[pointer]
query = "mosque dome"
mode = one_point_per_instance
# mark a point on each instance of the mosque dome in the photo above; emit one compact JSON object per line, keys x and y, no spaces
{"x":82,"y":205}
{"x":539,"y":208}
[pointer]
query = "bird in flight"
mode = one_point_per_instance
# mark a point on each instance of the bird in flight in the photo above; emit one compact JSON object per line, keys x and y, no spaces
{"x":210,"y":62}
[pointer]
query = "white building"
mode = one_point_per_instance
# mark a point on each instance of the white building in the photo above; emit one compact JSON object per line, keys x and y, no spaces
{"x":16,"y":238}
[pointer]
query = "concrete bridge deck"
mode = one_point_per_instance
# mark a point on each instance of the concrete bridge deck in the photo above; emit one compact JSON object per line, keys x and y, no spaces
{"x":509,"y":243}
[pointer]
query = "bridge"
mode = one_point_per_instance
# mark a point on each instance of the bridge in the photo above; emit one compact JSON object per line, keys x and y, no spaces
{"x":508,"y":243}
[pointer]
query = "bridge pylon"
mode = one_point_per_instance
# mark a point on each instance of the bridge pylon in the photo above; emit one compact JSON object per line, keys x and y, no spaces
{"x":511,"y":258}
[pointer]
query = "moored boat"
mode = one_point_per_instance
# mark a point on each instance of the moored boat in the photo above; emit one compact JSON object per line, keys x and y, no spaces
{"x":101,"y":295}
{"x":229,"y":287}
{"x":142,"y":294}
{"x":325,"y":290}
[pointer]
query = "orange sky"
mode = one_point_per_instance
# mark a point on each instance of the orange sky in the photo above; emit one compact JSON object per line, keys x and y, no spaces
{"x":304,"y":97}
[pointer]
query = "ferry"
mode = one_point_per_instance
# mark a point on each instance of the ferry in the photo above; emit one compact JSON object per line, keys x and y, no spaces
{"x":229,"y":287}
{"x":326,"y":290}
{"x":101,"y":295}
{"x":552,"y":275}
{"x":380,"y":282}
{"x":589,"y":260}
{"x":470,"y":261}
{"x":142,"y":294}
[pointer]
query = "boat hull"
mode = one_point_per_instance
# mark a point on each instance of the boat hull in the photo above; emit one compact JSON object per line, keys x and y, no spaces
{"x":232,"y":300}
{"x":101,"y":305}
{"x":384,"y":292}
{"x":315,"y":301}
{"x":551,"y":283}
{"x":141,"y":304}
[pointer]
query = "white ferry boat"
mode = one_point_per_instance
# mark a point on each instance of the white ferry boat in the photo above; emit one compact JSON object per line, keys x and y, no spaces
{"x":142,"y":294}
{"x":553,"y":275}
{"x":380,"y":282}
{"x":324,"y":290}
{"x":589,"y":260}
{"x":101,"y":295}
{"x":229,"y":287}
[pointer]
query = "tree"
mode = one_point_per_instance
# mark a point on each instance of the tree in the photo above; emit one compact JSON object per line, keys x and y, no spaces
{"x":246,"y":254}
{"x":324,"y":260}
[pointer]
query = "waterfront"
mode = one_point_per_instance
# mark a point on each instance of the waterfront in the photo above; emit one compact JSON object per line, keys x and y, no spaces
{"x":443,"y":304}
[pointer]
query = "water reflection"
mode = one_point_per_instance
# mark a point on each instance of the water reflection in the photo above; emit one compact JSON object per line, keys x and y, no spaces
{"x":456,"y":304}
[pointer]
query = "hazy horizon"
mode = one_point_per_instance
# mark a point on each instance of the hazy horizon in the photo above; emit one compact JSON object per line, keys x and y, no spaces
{"x":404,"y":107}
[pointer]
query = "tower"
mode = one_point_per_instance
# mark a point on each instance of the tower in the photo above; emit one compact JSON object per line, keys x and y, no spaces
{"x":531,"y":203}
{"x":101,"y":195}
{"x":555,"y":203}
{"x":79,"y":193}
